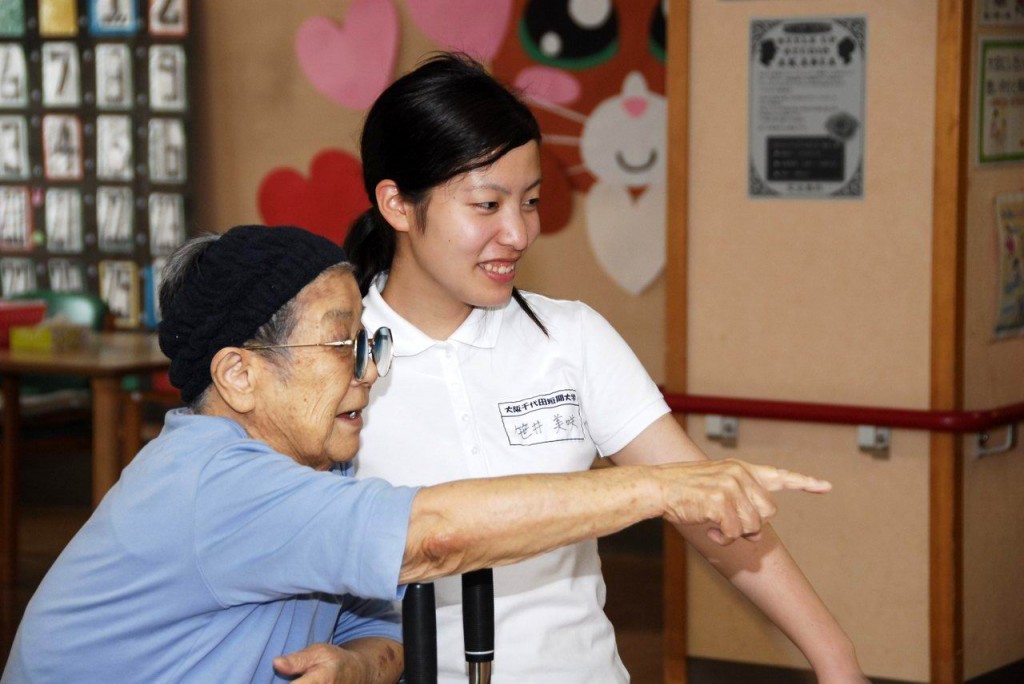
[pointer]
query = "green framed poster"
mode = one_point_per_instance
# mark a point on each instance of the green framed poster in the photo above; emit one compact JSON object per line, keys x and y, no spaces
{"x":1001,"y":100}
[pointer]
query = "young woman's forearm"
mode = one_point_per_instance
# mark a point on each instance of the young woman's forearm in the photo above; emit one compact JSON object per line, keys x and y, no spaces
{"x":762,"y":570}
{"x":766,"y":574}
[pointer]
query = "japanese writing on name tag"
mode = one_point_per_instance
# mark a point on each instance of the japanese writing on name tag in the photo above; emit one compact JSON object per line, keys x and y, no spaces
{"x":552,"y":417}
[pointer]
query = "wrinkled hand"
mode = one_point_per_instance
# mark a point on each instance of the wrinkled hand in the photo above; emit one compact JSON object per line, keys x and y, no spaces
{"x":324,"y":664}
{"x":730,"y":495}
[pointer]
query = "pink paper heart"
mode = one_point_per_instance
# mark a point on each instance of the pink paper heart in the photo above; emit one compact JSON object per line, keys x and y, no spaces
{"x":350,"y":63}
{"x":479,"y":35}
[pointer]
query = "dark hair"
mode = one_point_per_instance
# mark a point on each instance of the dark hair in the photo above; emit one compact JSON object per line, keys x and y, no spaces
{"x":444,"y":119}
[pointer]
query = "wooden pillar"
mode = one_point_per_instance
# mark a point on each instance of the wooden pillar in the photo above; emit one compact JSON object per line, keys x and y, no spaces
{"x":952,"y":114}
{"x":678,"y":91}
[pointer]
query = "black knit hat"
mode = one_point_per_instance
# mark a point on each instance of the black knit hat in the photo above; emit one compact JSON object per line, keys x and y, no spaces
{"x":236,"y":285}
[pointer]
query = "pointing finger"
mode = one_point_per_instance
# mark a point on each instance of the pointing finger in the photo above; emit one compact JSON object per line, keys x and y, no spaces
{"x":777,"y":479}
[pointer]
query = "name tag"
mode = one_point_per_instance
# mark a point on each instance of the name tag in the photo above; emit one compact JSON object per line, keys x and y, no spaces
{"x":552,"y":417}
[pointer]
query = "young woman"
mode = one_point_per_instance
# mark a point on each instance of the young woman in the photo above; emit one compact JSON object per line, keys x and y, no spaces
{"x":492,"y":381}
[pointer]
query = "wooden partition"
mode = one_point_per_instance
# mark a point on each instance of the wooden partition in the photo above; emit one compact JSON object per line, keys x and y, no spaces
{"x":927,"y":471}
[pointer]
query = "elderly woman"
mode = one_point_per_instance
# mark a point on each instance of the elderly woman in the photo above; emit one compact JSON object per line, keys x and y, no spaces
{"x":236,"y":538}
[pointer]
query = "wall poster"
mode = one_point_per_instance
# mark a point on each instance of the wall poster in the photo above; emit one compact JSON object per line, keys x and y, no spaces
{"x":1010,"y":300}
{"x":806,"y":104}
{"x":1001,"y":100}
{"x":1001,"y":12}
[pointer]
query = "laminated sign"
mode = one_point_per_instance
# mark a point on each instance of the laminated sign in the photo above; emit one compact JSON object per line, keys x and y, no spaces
{"x":806,"y":115}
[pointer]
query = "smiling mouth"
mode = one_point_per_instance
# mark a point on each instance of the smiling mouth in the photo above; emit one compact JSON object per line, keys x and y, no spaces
{"x":500,"y":269}
{"x":636,"y":168}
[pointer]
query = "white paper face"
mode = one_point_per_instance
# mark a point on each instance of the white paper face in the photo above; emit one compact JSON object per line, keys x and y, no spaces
{"x":167,"y":78}
{"x":14,"y":164}
{"x":16,"y":276}
{"x":15,"y":219}
{"x":115,"y":223}
{"x":166,"y":222}
{"x":168,"y":17}
{"x":63,"y":220}
{"x":114,"y":148}
{"x":119,"y":289}
{"x":62,"y":146}
{"x":62,"y":75}
{"x":166,"y":151}
{"x":65,"y":275}
{"x":13,"y":76}
{"x":113,"y":76}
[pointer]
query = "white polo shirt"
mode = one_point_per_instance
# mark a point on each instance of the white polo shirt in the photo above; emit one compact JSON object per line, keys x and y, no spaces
{"x":500,"y":398}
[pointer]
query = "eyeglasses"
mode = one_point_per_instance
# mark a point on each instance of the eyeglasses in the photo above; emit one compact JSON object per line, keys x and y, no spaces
{"x":379,"y":347}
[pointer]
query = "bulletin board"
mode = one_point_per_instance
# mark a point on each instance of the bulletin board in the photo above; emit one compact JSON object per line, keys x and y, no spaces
{"x":95,"y":186}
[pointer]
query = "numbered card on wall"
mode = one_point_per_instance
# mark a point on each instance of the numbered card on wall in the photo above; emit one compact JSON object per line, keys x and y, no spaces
{"x":167,"y":78}
{"x":62,"y":147}
{"x":62,"y":75}
{"x":94,"y":127}
{"x":113,"y":17}
{"x":115,"y":219}
{"x":66,"y":275}
{"x":119,"y":288}
{"x":12,"y":18}
{"x":14,"y":164}
{"x":168,"y":18}
{"x":166,"y":222}
{"x":114,"y":159}
{"x":13,"y":76}
{"x":153,"y":278}
{"x":114,"y":76}
{"x":58,"y":18}
{"x":15,"y":219}
{"x":167,"y":151}
{"x":17,"y":276}
{"x":64,"y":220}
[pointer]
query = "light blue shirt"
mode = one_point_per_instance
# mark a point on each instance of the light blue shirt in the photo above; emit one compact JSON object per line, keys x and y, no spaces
{"x":210,"y":557}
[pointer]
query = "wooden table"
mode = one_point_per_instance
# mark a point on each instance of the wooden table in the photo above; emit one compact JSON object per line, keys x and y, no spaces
{"x":110,"y":358}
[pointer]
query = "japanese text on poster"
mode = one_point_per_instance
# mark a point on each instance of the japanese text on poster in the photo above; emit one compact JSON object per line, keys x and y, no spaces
{"x":1010,"y":302}
{"x":1001,"y":12}
{"x":807,"y":107}
{"x":1001,"y":88}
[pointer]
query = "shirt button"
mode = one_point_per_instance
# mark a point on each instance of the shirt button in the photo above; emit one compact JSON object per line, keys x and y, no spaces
{"x":465,"y":417}
{"x":475,"y":450}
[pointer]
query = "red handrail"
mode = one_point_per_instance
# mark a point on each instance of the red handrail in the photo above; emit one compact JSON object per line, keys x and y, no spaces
{"x":936,"y":421}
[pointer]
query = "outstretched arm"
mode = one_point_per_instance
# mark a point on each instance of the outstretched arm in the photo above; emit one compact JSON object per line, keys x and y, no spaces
{"x":761,"y":568}
{"x":469,"y":524}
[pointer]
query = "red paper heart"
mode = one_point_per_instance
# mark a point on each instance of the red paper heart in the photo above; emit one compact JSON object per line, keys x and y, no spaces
{"x":326,"y":203}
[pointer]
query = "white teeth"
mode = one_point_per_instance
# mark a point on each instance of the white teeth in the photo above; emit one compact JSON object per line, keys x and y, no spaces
{"x":500,"y":270}
{"x":353,"y":414}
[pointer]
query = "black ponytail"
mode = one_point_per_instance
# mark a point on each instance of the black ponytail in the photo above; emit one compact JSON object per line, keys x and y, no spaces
{"x":370,"y":246}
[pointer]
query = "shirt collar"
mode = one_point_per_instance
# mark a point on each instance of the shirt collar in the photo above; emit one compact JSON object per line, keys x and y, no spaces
{"x":480,"y":329}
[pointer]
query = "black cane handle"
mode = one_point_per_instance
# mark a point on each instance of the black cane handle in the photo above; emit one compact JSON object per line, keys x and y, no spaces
{"x":419,"y":632}
{"x":478,"y":615}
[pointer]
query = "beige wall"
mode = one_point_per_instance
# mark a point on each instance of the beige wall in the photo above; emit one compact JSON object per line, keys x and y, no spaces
{"x":256,"y":109}
{"x":823,"y":301}
{"x":993,"y":373}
